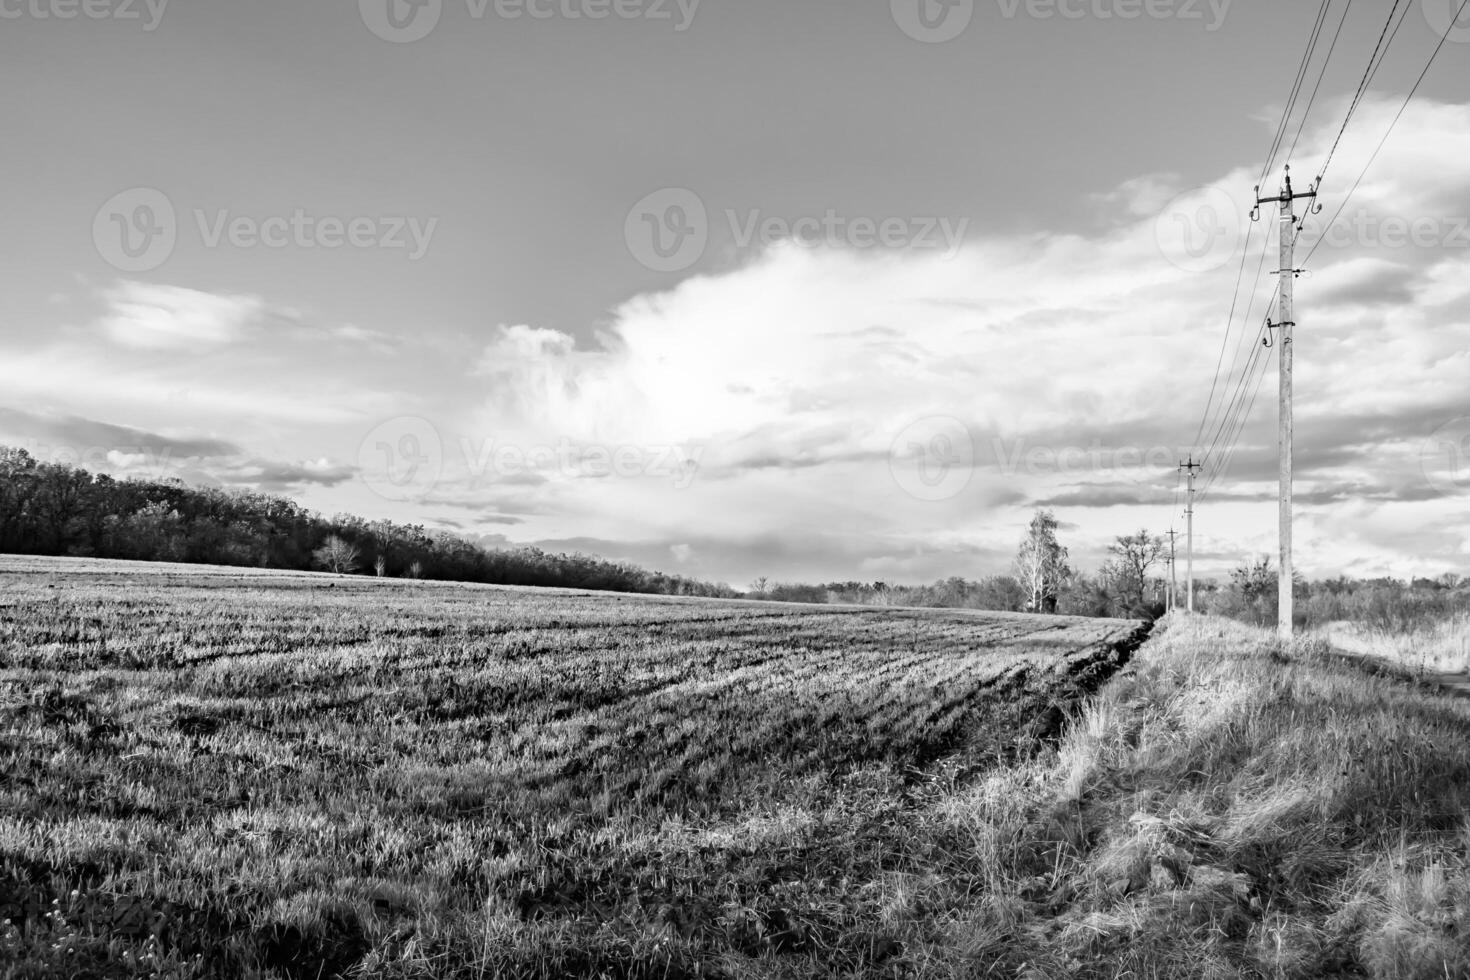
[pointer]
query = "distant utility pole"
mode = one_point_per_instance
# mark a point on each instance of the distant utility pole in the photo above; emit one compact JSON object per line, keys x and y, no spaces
{"x":1173,"y":575}
{"x":1189,"y":467}
{"x":1288,"y":273}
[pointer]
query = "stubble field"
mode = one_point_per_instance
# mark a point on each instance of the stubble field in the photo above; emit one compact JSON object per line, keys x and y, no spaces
{"x":213,"y":772}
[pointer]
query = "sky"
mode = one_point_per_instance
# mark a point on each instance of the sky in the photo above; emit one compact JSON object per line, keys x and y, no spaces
{"x":747,"y":288}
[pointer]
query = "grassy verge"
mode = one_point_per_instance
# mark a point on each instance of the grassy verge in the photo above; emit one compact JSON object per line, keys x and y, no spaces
{"x":1441,"y":647}
{"x":1230,"y":808}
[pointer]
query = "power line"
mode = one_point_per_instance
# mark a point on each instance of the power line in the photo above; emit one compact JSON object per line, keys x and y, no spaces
{"x":1397,"y":116}
{"x":1225,"y":340}
{"x":1231,"y":422}
{"x":1320,"y":75}
{"x":1296,"y":88}
{"x":1226,"y":407}
{"x":1232,"y":443}
{"x":1286,"y":115}
{"x":1363,"y":83}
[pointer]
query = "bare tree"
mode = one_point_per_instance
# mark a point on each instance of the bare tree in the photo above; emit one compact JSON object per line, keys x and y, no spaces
{"x":1041,"y":563}
{"x":760,"y":585}
{"x":337,"y":555}
{"x":1127,"y":570}
{"x":380,"y":566}
{"x":416,"y":569}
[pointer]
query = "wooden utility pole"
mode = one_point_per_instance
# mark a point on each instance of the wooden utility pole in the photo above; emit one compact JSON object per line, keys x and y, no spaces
{"x":1189,"y":467}
{"x":1285,"y":324}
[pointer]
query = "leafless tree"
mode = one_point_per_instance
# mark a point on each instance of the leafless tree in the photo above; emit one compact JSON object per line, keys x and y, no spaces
{"x":380,"y":565}
{"x":1127,"y":570}
{"x":337,"y":555}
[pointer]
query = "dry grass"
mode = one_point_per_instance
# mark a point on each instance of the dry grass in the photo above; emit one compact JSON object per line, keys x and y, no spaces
{"x":1441,"y":647}
{"x":267,"y":775}
{"x":306,"y":792}
{"x":1231,"y":808}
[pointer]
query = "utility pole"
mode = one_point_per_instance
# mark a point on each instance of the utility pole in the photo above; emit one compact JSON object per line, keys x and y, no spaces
{"x":1189,"y":468}
{"x":1288,"y":273}
{"x":1173,"y":575}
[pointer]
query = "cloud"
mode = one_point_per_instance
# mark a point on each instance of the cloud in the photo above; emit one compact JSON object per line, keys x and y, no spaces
{"x":265,"y":474}
{"x":157,"y":317}
{"x":796,"y":373}
{"x":82,"y":436}
{"x":807,"y":383}
{"x":104,"y":447}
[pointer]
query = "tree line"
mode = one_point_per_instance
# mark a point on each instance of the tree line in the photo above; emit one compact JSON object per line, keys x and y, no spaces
{"x":54,"y":509}
{"x":1131,"y":584}
{"x":1041,"y":580}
